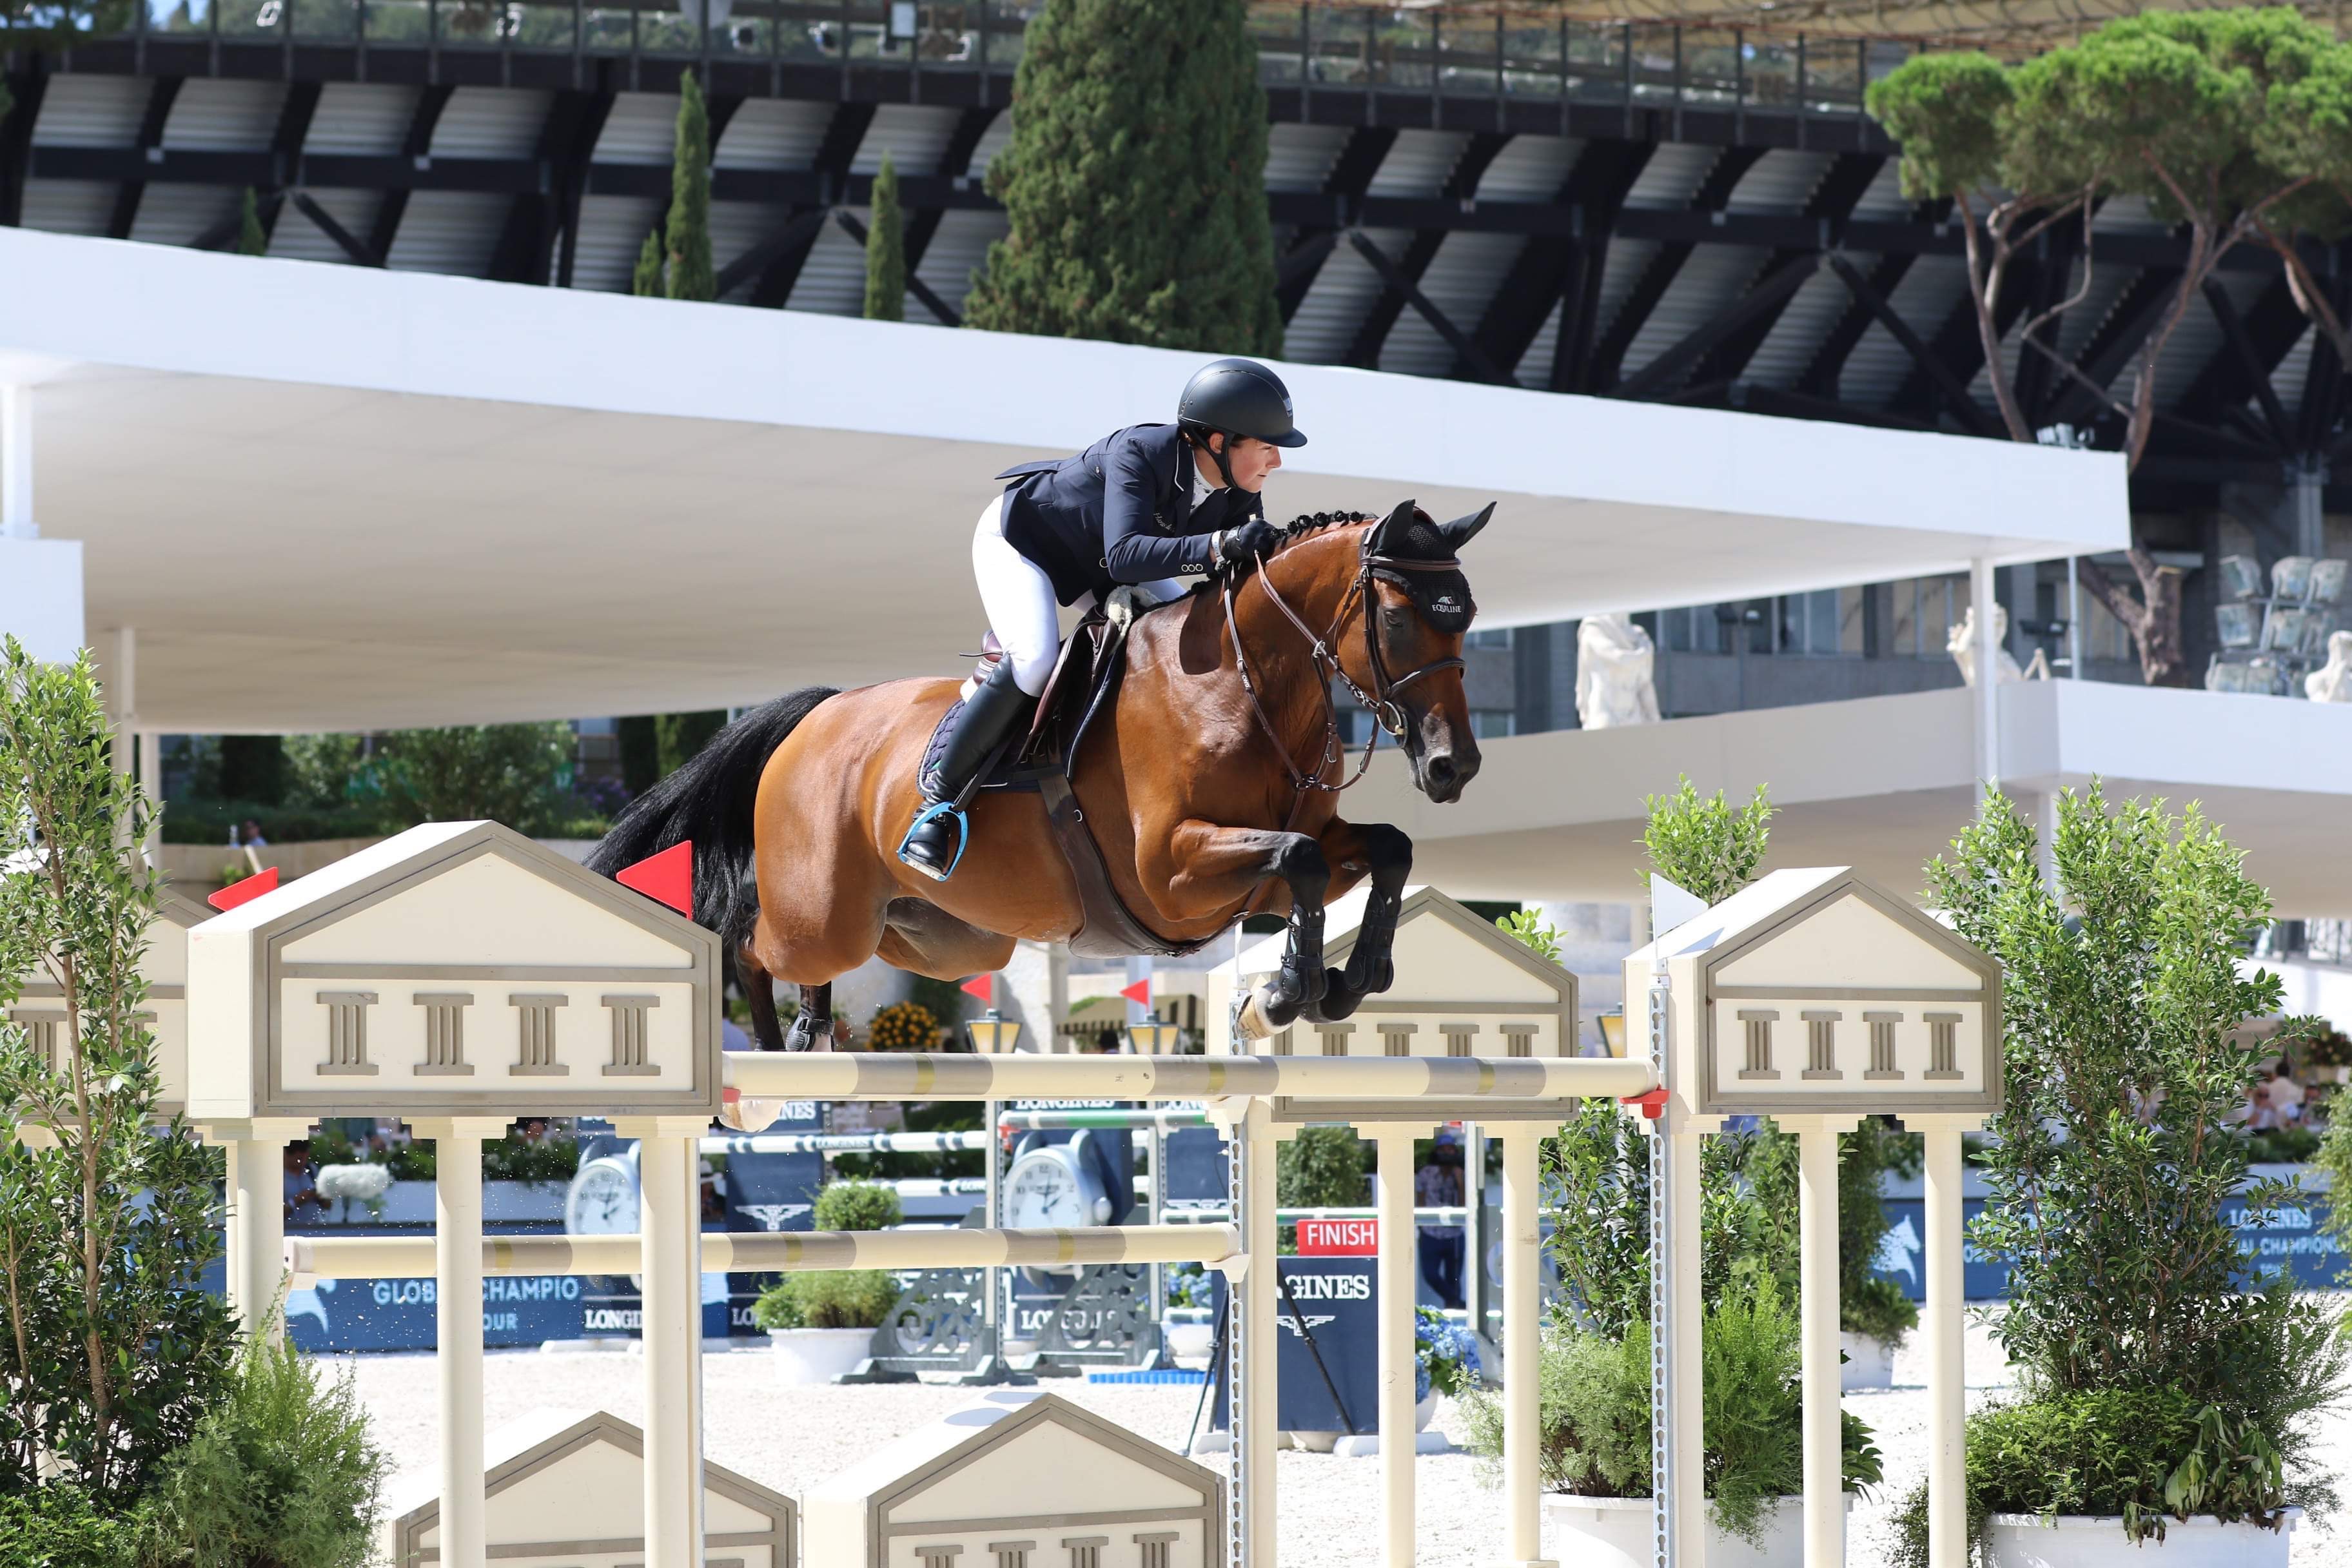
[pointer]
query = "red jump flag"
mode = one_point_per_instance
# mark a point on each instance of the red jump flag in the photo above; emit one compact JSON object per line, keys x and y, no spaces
{"x":1139,"y":992}
{"x":667,"y":878}
{"x":262,"y":881}
{"x":982,"y":986}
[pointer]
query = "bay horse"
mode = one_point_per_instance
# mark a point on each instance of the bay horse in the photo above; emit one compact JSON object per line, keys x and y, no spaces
{"x":1210,"y":785}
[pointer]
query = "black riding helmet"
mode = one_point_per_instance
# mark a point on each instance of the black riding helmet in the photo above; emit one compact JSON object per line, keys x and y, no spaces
{"x":1235,"y":398}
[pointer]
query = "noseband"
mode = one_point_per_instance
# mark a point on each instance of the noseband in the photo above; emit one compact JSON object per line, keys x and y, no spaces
{"x":1381,"y":701}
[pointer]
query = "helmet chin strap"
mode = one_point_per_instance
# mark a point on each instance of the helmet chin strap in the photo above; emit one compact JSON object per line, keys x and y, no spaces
{"x":1222,"y":455}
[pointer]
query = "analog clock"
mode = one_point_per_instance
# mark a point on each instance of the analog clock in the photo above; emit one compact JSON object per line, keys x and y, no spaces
{"x":1055,"y":1186}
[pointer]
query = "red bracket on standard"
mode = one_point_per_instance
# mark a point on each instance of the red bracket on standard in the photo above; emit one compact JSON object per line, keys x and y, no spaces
{"x":1653,"y":1104}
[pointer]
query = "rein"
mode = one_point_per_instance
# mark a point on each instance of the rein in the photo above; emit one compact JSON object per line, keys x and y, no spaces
{"x":1381,"y":701}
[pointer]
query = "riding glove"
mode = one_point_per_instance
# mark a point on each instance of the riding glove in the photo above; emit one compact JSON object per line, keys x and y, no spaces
{"x":1246,"y":542}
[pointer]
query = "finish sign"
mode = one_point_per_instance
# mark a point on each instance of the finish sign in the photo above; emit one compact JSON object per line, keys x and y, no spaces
{"x":1338,"y":1237}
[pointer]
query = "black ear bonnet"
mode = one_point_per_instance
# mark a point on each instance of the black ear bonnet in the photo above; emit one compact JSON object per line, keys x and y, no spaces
{"x":1442,"y":598}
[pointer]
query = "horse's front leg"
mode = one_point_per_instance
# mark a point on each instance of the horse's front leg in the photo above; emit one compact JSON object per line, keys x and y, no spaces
{"x":1218,"y":867}
{"x":1385,"y":854}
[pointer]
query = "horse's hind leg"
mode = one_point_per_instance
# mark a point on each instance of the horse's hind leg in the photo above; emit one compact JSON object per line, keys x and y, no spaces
{"x":759,"y":991}
{"x":813,"y":1029}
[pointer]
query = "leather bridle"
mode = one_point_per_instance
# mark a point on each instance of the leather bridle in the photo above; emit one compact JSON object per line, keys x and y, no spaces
{"x":1381,"y":701}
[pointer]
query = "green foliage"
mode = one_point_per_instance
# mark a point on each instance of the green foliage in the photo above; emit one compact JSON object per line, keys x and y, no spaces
{"x":1134,"y":181}
{"x":691,"y":275}
{"x":1593,"y":1404}
{"x":322,"y":770}
{"x":108,"y":1348}
{"x":1868,"y":1304}
{"x":2334,"y":1157}
{"x":885,"y":248}
{"x":252,"y":240}
{"x":514,"y":1158}
{"x":1528,"y":928}
{"x":507,"y":772}
{"x":858,"y":1205}
{"x":58,"y":1525}
{"x":208,"y":821}
{"x":902,"y":1026}
{"x":253,"y":767}
{"x":2282,"y":1146}
{"x":677,"y":736}
{"x":645,"y":277}
{"x":1945,"y":111}
{"x":28,"y":26}
{"x":2116,"y":1162}
{"x":1322,"y":1168}
{"x":827,"y":1298}
{"x":640,"y":739}
{"x":2146,"y":1456}
{"x":281,"y":1473}
{"x":1709,"y":849}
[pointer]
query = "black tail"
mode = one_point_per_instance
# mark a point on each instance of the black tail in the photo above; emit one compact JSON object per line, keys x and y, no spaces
{"x":709,"y":802}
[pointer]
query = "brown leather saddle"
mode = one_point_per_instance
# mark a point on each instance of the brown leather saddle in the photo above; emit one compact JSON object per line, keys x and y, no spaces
{"x":1084,"y":685}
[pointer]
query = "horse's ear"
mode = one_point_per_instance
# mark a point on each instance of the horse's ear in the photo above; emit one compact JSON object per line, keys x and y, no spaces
{"x":1392,"y":529}
{"x":1462,"y":530}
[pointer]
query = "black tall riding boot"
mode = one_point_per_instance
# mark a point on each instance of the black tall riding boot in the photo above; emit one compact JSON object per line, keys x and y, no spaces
{"x":935,"y":843}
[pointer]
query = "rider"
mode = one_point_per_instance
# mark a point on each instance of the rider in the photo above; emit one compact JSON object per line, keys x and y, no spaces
{"x":1142,"y":506}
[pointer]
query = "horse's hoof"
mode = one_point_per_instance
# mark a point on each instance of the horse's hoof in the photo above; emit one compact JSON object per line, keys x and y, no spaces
{"x":1250,"y":1021}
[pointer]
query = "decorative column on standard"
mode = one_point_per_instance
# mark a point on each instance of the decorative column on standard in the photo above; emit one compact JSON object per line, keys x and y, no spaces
{"x":1400,"y":1367}
{"x":669,"y":1226}
{"x":255,"y":1226}
{"x":1946,"y":1328}
{"x":1817,"y":1274}
{"x":1522,"y":1346}
{"x":458,"y":1325}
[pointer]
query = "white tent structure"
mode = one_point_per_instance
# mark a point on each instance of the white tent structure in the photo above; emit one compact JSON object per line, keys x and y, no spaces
{"x":330,"y":496}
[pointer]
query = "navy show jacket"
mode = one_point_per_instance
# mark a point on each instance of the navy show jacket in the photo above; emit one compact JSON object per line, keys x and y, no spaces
{"x":1121,"y":511}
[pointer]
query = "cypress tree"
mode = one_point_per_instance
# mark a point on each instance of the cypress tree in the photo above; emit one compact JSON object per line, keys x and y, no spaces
{"x":252,"y":240}
{"x":691,"y":275}
{"x":641,"y":766}
{"x":1135,"y":182}
{"x":885,"y":249}
{"x":646,"y":279}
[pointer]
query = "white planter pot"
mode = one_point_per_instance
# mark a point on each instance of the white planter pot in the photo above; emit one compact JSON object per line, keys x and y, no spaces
{"x":2080,"y":1541}
{"x":1188,"y":1338}
{"x":1868,"y":1362}
{"x":1328,"y":1442}
{"x":818,"y":1356}
{"x":1614,"y":1532}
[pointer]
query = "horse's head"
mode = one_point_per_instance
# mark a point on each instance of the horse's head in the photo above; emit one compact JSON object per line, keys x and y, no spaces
{"x":1417,"y":609}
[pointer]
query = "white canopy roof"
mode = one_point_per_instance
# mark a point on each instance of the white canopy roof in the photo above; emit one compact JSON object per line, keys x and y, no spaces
{"x":330,"y":497}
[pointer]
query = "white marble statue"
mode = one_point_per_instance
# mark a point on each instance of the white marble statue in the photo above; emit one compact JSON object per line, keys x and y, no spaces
{"x":1613,"y":663}
{"x":2332,"y":682}
{"x":1962,"y":646}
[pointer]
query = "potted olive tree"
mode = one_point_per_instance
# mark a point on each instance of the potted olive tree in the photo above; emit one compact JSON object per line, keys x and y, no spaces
{"x":2165,"y":1395}
{"x":822,"y":1321}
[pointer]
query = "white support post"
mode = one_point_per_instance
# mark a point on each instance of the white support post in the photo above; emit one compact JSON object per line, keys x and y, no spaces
{"x":1251,"y":1330}
{"x":16,"y":463}
{"x":1946,"y":1332}
{"x":671,"y":1224}
{"x":1981,"y":600}
{"x":1400,"y":1368}
{"x":457,"y":1324}
{"x":1522,"y":1353}
{"x":255,"y":1226}
{"x":1686,"y":1423}
{"x":1817,"y":1265}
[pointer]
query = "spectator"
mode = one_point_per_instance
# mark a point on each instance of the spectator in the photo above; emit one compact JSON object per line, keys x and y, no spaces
{"x":249,"y":836}
{"x":2284,"y":1097}
{"x":1439,"y":1184}
{"x":302,"y":1200}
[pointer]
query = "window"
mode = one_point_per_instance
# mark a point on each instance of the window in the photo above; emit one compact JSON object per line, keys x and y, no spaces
{"x":1926,"y":611}
{"x":1827,"y":623}
{"x":1500,"y":638}
{"x":1491,"y":724}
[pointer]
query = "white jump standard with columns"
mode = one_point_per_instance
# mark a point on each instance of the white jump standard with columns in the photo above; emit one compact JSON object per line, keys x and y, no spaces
{"x":460,"y":975}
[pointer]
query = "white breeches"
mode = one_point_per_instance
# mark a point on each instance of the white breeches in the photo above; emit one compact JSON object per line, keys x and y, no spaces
{"x":1019,"y":599}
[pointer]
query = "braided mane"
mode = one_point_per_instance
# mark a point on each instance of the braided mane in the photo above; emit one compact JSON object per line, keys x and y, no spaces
{"x":1306,"y":525}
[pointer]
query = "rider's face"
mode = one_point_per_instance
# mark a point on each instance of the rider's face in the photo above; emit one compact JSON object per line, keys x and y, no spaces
{"x":1253,"y":460}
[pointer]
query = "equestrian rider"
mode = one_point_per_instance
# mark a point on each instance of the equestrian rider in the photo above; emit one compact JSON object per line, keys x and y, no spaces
{"x":1142,"y":507}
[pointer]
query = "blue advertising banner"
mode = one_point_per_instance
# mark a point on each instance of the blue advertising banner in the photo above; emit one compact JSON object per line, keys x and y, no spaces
{"x":770,"y":1193}
{"x":1338,"y":1303}
{"x":398,"y":1314}
{"x":2292,"y":1241}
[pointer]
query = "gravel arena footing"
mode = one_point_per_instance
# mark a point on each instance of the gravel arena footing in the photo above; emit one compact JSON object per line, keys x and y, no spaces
{"x":790,"y":1439}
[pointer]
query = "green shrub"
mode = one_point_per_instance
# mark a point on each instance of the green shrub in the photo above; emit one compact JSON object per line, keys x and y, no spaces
{"x":827,"y":1298}
{"x":2334,"y":1157}
{"x":858,"y":1205}
{"x":2144,"y":1455}
{"x":1322,"y":1168}
{"x":57,"y":1525}
{"x":281,"y":1473}
{"x":2282,"y":1146}
{"x":1593,"y":1397}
